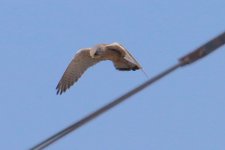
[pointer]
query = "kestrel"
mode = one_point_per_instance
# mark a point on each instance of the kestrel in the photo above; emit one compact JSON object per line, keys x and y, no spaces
{"x":88,"y":57}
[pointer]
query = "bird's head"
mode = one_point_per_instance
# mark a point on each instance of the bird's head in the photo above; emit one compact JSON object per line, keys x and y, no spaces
{"x":97,"y":51}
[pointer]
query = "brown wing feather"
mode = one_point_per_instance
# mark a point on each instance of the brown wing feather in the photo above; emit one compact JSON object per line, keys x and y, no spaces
{"x":80,"y":63}
{"x":127,"y":61}
{"x":124,"y":65}
{"x":129,"y":57}
{"x":124,"y":53}
{"x":116,"y":47}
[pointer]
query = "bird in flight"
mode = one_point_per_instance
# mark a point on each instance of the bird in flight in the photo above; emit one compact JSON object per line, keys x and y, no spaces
{"x":87,"y":57}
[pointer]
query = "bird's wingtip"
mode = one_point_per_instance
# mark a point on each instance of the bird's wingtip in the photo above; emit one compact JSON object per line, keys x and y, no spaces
{"x":59,"y":91}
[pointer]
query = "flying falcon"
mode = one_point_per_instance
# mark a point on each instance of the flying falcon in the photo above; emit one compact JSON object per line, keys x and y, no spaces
{"x":88,"y":57}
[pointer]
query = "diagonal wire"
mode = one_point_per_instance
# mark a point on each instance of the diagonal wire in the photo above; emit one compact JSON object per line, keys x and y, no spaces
{"x":195,"y":55}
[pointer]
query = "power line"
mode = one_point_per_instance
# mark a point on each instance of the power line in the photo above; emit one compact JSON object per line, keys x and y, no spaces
{"x":195,"y":55}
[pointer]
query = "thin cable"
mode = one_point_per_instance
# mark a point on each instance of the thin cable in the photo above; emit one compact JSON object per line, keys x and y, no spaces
{"x":187,"y":59}
{"x":203,"y":50}
{"x":103,"y":109}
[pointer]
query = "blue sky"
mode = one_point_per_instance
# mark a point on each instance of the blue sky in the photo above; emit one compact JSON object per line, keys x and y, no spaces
{"x":38,"y":39}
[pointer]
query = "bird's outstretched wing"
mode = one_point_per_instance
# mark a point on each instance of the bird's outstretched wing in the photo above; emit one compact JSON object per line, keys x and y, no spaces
{"x":129,"y":62}
{"x":124,"y":53}
{"x":81,"y":62}
{"x":124,"y":65}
